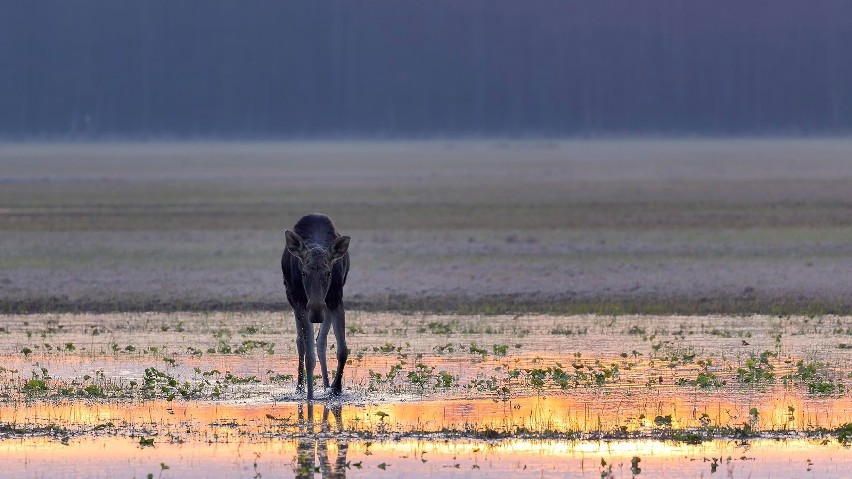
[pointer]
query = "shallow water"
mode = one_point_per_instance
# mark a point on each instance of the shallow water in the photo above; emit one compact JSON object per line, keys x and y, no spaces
{"x":105,"y":457}
{"x":427,"y":396}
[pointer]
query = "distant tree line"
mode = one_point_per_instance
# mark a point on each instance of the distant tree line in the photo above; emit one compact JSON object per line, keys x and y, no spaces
{"x":416,"y":68}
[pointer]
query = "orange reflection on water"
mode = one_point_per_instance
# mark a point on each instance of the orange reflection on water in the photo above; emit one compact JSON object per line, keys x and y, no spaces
{"x":582,"y":411}
{"x":315,"y":456}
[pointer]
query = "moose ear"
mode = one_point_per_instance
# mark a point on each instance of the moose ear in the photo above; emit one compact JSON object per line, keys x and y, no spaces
{"x":339,"y":248}
{"x":295,"y":245}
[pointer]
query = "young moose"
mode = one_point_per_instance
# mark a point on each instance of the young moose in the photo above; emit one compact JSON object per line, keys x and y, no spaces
{"x":315,"y":264}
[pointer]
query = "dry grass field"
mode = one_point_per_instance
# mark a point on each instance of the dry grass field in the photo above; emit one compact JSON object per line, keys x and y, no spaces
{"x":616,"y":226}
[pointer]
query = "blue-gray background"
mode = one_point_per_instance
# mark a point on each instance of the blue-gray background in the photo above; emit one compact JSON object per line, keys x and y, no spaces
{"x":281,"y":69}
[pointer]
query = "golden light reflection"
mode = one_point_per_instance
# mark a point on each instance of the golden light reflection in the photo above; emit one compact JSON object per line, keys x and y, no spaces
{"x":343,"y":457}
{"x":579,"y":413}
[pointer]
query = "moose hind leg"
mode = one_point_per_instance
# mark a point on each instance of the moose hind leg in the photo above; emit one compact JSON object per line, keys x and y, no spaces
{"x":339,"y":326}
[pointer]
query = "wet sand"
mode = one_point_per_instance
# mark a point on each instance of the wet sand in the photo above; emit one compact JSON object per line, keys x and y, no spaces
{"x":428,"y":396}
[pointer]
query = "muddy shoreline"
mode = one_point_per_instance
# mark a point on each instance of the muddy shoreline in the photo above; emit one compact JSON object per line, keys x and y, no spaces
{"x":497,"y":304}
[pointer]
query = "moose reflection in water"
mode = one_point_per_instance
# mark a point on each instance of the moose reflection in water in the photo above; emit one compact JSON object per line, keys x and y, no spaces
{"x":314,"y":444}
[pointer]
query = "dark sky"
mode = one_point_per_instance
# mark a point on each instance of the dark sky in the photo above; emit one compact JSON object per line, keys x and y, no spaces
{"x":403,"y":68}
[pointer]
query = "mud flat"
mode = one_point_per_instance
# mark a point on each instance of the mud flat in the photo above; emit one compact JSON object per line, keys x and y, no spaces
{"x":662,"y":226}
{"x":202,"y":395}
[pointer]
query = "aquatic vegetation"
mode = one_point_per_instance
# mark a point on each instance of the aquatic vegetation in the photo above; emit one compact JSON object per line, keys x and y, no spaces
{"x":757,"y":368}
{"x":844,"y":433}
{"x":671,"y":384}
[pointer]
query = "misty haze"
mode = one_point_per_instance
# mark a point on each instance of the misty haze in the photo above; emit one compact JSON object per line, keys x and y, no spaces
{"x":219,"y":69}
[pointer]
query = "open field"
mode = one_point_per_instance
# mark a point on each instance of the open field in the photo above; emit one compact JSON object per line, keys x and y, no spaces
{"x":126,"y":395}
{"x":616,"y":226}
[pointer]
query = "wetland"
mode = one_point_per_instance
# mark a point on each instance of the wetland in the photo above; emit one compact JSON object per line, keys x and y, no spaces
{"x":428,"y":396}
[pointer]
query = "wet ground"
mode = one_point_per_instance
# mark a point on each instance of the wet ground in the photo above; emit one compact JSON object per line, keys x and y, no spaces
{"x":213,"y":395}
{"x":646,"y":226}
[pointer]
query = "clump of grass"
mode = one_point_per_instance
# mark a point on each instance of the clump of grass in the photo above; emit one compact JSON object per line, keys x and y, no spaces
{"x":474,"y":349}
{"x":444,"y":380}
{"x":663,"y":421}
{"x":248,"y":330}
{"x":387,"y":348}
{"x":500,"y":349}
{"x":757,"y":369}
{"x":93,"y":390}
{"x":438,"y":327}
{"x":636,"y":330}
{"x":814,"y":376}
{"x":704,"y":380}
{"x":844,"y":433}
{"x":567,"y":331}
{"x":421,"y":376}
{"x":35,"y":385}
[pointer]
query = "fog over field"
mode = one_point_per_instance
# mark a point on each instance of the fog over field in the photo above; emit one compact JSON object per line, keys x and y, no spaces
{"x":609,"y":226}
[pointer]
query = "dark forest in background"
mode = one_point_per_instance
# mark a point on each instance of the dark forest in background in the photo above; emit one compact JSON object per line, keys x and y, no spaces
{"x":402,"y":68}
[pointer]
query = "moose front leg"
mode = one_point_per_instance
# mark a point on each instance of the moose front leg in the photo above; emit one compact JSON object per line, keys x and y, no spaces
{"x":338,"y":318}
{"x":310,"y":356}
{"x":300,"y":349}
{"x":322,"y":348}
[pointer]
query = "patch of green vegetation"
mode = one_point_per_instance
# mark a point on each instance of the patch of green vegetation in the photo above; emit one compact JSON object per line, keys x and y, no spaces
{"x":278,"y":378}
{"x":816,"y":377}
{"x":250,"y":345}
{"x":230,"y":378}
{"x":757,"y":368}
{"x":567,"y":331}
{"x":445,"y":380}
{"x":162,"y":384}
{"x":247,"y":330}
{"x":500,"y":349}
{"x":421,"y":376}
{"x":35,"y":385}
{"x":93,"y":390}
{"x":101,"y":427}
{"x":687,"y":437}
{"x":844,"y":433}
{"x":636,"y":330}
{"x":704,"y":380}
{"x":437,"y":327}
{"x":477,"y":350}
{"x":387,"y":348}
{"x":663,"y":421}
